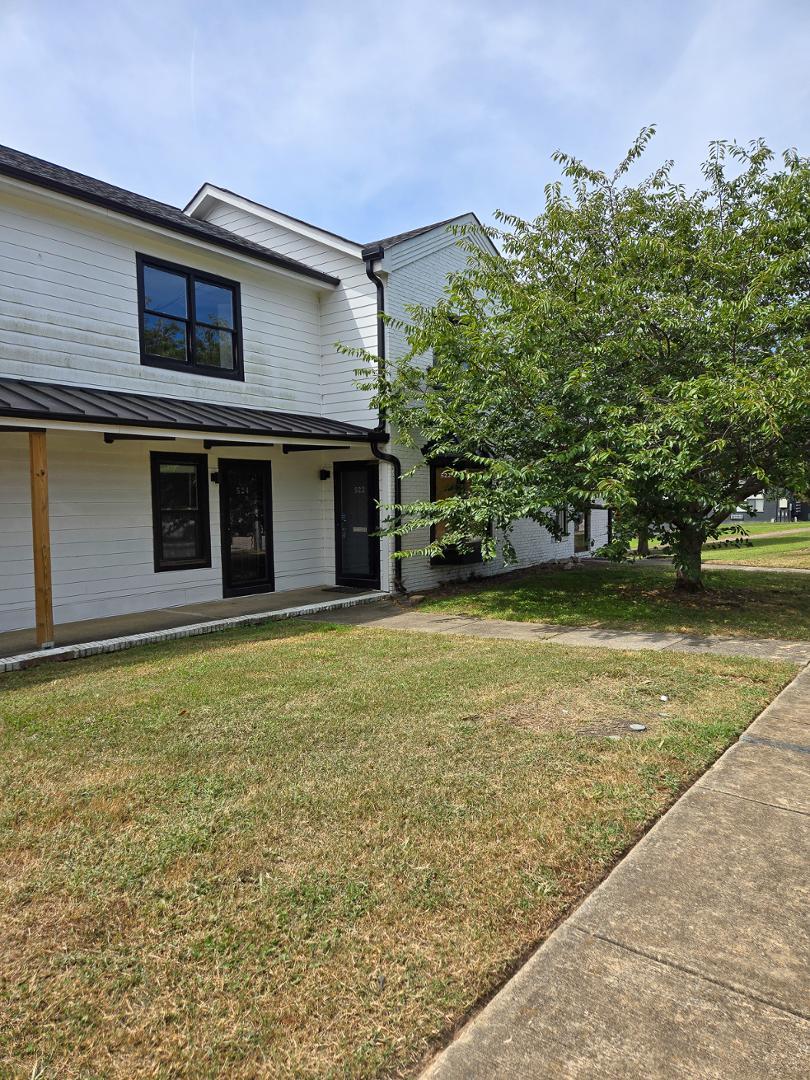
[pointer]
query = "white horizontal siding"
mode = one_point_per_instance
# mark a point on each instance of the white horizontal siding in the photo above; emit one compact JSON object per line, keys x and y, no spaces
{"x":101,"y":527}
{"x":348,"y":315}
{"x":68,"y":311}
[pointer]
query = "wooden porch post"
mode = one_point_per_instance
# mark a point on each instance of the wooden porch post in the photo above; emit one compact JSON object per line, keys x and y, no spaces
{"x":38,"y":456}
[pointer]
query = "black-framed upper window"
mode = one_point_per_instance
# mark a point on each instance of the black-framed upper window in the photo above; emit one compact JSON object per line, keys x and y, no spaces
{"x":443,"y":485}
{"x":180,"y":523}
{"x":189,"y":320}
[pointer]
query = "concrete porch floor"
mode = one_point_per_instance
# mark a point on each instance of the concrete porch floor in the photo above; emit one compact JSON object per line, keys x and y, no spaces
{"x":14,"y":642}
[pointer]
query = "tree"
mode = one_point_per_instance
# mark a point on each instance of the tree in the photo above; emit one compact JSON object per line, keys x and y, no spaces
{"x":637,"y":344}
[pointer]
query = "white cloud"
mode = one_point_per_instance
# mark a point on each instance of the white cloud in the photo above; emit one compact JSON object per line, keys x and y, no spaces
{"x":367,"y":119}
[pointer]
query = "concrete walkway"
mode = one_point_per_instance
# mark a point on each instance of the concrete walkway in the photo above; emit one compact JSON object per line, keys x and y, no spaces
{"x":752,"y":569}
{"x":397,"y":616}
{"x":692,"y":959}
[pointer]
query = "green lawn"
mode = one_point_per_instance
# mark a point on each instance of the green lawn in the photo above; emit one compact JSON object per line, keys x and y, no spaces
{"x":797,"y":532}
{"x":640,"y":597}
{"x":755,"y":527}
{"x":791,"y":550}
{"x":306,"y":850}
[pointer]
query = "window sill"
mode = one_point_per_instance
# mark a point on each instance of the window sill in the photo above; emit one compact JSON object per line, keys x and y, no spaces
{"x":473,"y":559}
{"x":175,"y":568}
{"x":192,"y":369}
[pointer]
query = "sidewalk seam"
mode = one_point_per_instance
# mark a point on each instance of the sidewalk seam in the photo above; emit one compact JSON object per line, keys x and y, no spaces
{"x":663,"y":962}
{"x":759,"y":802}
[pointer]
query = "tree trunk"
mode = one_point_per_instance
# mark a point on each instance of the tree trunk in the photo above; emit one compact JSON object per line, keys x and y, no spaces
{"x":643,"y":543}
{"x":687,"y":558}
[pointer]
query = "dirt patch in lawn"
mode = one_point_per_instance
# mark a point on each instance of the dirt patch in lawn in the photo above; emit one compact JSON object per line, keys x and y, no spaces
{"x":602,"y":706}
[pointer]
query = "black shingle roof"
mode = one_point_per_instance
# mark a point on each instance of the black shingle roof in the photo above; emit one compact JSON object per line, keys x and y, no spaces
{"x":29,"y":400}
{"x":397,"y":238}
{"x":45,"y":174}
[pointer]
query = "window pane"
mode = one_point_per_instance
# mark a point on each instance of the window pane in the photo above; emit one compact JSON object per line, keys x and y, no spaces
{"x":178,"y":486}
{"x":181,"y":526}
{"x":180,"y":535}
{"x":582,"y":532}
{"x":214,"y":348}
{"x":213,"y":304}
{"x":164,"y":337}
{"x":447,"y":486}
{"x":445,"y":489}
{"x":164,"y":291}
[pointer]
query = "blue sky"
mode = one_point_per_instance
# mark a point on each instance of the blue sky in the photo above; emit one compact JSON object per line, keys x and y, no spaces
{"x":370,"y":118}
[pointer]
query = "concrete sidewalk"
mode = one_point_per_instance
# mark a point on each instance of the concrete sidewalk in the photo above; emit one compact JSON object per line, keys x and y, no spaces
{"x":396,"y":616}
{"x":692,"y":959}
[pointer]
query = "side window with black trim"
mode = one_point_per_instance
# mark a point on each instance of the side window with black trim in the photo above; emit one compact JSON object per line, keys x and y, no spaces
{"x":582,"y":532}
{"x":443,"y":485}
{"x":181,"y":528}
{"x":189,"y":320}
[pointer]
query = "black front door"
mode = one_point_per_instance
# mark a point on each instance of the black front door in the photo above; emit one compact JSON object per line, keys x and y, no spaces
{"x":247,"y":526}
{"x":357,"y":554}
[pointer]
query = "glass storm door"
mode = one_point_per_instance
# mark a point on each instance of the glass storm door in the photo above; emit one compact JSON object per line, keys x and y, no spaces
{"x":246,"y":517}
{"x":357,"y":554}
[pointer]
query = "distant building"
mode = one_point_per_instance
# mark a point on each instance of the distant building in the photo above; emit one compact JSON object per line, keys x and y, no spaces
{"x":765,"y":508}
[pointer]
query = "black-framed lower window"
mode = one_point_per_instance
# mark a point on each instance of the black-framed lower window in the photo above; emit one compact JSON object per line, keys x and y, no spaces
{"x":444,"y":486}
{"x":189,"y":320}
{"x":180,"y":522}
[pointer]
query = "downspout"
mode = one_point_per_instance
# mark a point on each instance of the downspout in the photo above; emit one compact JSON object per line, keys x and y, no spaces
{"x":369,"y":257}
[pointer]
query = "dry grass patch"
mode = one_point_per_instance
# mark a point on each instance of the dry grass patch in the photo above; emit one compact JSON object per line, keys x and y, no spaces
{"x":308,"y":850}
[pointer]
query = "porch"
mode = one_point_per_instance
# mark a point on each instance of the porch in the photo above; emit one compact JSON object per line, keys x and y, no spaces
{"x":128,"y":514}
{"x":118,"y":631}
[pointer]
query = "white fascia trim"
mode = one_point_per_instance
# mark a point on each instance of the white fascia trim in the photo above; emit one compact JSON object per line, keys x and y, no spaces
{"x":77,"y":205}
{"x":209,"y":195}
{"x":38,"y":423}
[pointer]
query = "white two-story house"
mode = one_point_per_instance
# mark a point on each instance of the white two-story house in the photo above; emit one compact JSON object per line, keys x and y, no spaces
{"x":176,"y":423}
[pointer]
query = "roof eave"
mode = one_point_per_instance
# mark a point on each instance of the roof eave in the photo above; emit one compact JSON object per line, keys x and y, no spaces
{"x":103,"y":202}
{"x":25,"y":420}
{"x":208,"y":194}
{"x":32,"y":401}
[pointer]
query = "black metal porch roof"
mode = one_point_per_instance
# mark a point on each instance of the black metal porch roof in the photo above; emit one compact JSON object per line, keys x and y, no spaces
{"x":43,"y":401}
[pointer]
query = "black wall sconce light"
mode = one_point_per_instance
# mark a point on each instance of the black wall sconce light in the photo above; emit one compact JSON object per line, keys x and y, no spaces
{"x":324,"y":474}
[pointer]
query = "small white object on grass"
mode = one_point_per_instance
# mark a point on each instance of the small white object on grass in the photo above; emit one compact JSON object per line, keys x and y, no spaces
{"x":663,"y":698}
